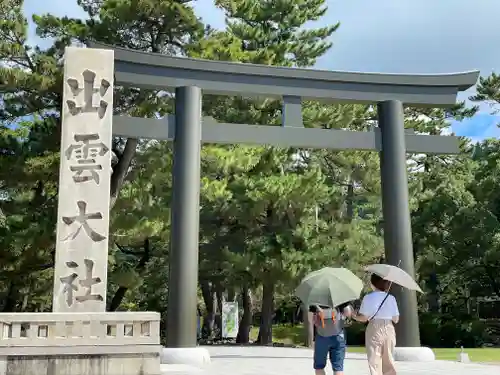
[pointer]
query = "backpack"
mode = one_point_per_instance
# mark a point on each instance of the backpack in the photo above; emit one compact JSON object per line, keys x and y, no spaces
{"x":321,"y":315}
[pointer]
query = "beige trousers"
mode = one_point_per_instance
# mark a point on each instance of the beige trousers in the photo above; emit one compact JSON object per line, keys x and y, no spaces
{"x":380,"y":339}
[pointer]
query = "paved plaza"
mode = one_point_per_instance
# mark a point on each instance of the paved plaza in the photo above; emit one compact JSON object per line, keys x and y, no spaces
{"x":290,"y":361}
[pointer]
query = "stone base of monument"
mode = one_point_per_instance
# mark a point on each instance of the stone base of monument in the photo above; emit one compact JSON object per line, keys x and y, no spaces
{"x":184,"y":360}
{"x":417,"y":354}
{"x":118,"y":343}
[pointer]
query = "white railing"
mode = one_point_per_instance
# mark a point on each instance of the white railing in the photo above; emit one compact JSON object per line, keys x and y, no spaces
{"x":79,"y":329}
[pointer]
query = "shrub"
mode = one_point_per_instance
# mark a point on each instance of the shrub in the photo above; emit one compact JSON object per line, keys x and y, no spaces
{"x":449,"y":331}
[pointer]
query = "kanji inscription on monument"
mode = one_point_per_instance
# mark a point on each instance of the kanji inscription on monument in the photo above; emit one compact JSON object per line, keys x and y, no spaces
{"x":71,"y":287}
{"x":84,"y":181}
{"x":82,"y":219}
{"x":84,"y":153}
{"x":86,"y":94}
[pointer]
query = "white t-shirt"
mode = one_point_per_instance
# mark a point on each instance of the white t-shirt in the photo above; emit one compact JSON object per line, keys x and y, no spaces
{"x":371,"y":303}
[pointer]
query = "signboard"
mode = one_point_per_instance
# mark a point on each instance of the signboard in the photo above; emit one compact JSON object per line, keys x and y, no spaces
{"x":230,"y":320}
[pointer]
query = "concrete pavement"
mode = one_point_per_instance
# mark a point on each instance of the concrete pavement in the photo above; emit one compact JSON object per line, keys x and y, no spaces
{"x":254,"y":360}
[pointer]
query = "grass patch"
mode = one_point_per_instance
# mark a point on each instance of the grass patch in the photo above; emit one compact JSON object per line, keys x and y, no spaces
{"x":294,"y":335}
{"x":451,"y":354}
{"x":283,"y":334}
{"x":475,"y":354}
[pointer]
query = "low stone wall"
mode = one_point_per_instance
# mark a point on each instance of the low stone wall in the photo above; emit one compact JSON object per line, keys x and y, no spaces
{"x":118,"y":343}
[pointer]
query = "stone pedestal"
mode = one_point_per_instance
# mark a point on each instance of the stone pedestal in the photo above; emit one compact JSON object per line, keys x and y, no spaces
{"x":80,"y":343}
{"x":417,"y":354}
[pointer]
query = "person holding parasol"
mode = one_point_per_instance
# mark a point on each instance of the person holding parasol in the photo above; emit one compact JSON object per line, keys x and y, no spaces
{"x":328,"y":293}
{"x":380,"y":309}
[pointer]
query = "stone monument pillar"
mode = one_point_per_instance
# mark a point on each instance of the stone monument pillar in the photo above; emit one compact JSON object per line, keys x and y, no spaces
{"x":80,"y":275}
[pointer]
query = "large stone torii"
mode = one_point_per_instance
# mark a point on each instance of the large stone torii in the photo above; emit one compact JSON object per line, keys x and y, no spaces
{"x":189,"y":78}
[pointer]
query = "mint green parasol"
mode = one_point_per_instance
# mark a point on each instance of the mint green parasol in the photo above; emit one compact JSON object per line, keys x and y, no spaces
{"x":329,"y":287}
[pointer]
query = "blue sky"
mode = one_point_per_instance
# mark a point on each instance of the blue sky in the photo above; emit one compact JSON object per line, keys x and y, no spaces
{"x":391,"y":36}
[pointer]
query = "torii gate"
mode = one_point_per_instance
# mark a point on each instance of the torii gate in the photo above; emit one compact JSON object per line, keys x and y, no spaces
{"x":192,"y":77}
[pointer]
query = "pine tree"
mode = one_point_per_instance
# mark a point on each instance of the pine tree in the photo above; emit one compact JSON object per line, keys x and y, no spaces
{"x":488,"y":91}
{"x":31,"y":98}
{"x":268,"y":220}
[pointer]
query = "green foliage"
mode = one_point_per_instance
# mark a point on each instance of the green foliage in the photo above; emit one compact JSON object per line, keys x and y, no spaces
{"x":456,"y":228}
{"x":446,"y":331}
{"x":273,"y":30}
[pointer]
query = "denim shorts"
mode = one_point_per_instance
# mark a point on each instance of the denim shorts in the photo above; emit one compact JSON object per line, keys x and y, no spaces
{"x":333,"y":346}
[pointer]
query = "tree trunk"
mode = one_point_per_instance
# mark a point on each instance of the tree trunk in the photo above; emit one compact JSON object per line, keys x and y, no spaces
{"x":211,"y":307}
{"x":231,"y":294}
{"x":308,"y":327}
{"x":434,"y":298}
{"x":219,"y":292}
{"x":121,"y":168}
{"x":243,"y":336}
{"x":350,"y":201}
{"x":117,"y":298}
{"x":266,"y":322}
{"x":10,"y":301}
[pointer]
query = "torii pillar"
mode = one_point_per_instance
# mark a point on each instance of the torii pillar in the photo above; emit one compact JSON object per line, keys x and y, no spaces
{"x":396,"y":215}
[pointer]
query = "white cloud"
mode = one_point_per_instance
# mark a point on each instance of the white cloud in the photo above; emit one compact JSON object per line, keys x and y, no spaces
{"x":424,"y":36}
